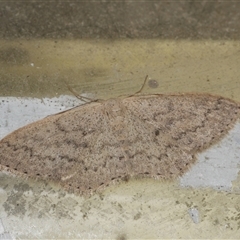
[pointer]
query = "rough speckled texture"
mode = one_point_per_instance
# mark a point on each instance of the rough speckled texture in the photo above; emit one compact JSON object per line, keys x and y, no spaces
{"x":86,"y":148}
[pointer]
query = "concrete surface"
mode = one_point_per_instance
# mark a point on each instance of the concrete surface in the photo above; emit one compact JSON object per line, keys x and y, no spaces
{"x":106,"y":49}
{"x":120,"y":19}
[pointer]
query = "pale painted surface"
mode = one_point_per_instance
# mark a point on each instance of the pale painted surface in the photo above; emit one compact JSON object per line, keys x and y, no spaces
{"x":18,"y":112}
{"x":218,"y":166}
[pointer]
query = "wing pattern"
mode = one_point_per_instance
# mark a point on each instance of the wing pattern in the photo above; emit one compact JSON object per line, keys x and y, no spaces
{"x":92,"y":145}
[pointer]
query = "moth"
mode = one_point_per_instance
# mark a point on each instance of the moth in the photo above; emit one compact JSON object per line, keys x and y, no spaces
{"x":92,"y":145}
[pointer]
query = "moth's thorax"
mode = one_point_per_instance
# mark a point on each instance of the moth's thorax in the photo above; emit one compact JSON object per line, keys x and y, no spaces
{"x":115,"y":115}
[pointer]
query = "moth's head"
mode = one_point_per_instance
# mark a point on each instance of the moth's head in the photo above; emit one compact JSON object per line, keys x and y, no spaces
{"x":114,"y":107}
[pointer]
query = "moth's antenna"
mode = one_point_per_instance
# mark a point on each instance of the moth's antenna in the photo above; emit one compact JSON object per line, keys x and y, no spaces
{"x":82,"y":98}
{"x":144,"y":83}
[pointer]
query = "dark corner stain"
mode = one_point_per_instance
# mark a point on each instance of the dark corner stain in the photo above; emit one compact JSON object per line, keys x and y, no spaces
{"x":14,"y":56}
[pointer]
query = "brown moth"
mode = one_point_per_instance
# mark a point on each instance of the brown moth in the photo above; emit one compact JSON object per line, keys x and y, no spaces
{"x":94,"y":144}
